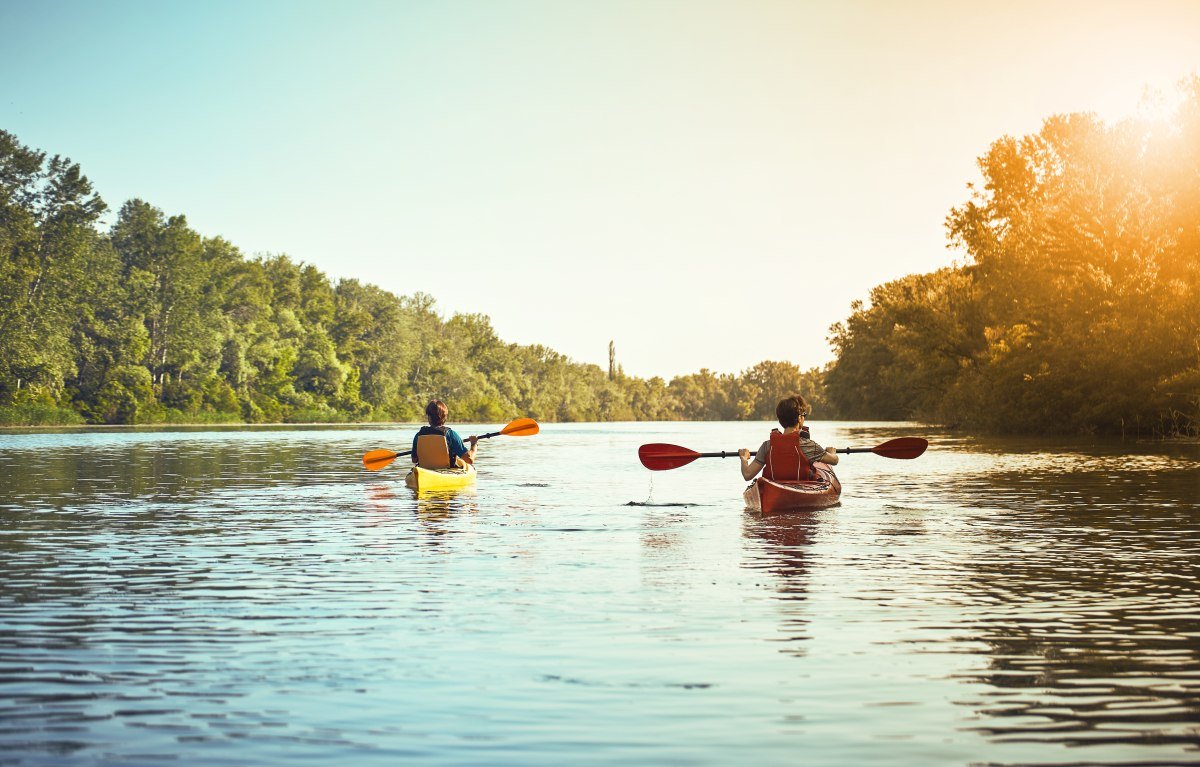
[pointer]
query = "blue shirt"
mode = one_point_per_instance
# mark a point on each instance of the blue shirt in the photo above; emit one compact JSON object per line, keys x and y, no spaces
{"x":453,"y":441}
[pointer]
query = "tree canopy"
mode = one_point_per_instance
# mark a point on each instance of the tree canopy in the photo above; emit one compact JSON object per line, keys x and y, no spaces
{"x":1079,"y":308}
{"x":153,"y":322}
{"x":1076,"y":310}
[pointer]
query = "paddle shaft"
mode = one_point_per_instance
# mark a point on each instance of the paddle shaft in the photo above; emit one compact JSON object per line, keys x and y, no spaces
{"x":483,"y":436}
{"x":661,"y":457}
{"x":733,"y":453}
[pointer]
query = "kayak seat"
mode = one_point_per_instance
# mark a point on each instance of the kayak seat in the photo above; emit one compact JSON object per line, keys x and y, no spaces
{"x":434,"y":453}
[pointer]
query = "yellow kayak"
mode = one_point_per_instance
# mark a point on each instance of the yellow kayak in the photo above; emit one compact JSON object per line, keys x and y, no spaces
{"x":440,"y":479}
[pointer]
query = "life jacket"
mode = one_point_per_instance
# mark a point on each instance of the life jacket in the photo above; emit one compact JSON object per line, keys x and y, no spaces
{"x":786,"y":462}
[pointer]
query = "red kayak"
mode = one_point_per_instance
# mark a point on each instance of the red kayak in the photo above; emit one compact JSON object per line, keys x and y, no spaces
{"x":771,"y":497}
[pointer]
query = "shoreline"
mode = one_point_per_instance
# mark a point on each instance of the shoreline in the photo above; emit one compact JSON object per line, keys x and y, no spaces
{"x":366,"y":425}
{"x":129,"y":426}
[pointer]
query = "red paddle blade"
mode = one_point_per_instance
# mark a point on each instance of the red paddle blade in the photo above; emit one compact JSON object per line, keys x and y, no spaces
{"x":377,"y":459}
{"x":521,"y":427}
{"x":903,"y":447}
{"x":660,"y":457}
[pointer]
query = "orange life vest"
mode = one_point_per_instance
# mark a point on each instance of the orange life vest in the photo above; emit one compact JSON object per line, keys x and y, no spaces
{"x":786,"y":461}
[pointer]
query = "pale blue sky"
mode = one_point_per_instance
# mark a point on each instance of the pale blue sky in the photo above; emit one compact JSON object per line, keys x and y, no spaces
{"x":680,"y":177}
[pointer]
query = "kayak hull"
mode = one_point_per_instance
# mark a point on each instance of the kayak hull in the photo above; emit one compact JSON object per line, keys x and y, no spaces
{"x":440,"y":479}
{"x":770,"y":497}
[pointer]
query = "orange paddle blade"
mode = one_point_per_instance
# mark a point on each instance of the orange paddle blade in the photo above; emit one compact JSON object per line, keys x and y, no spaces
{"x":377,"y":459}
{"x":521,"y":427}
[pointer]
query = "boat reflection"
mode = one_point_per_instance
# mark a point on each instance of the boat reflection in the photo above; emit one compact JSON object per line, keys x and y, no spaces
{"x":435,"y":506}
{"x":387,"y":502}
{"x":781,"y":545}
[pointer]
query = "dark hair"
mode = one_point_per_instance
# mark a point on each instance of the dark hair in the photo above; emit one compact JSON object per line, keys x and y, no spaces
{"x":436,"y":411}
{"x":789,"y":410}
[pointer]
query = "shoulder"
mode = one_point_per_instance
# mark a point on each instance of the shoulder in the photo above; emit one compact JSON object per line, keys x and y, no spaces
{"x":811,"y":448}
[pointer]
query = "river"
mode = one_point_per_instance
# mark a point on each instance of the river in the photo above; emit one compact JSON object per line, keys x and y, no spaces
{"x":253,"y":596}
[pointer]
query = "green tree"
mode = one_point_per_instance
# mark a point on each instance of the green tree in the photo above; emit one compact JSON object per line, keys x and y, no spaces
{"x":900,"y":357}
{"x":1082,"y":332}
{"x":164,"y":271}
{"x":47,"y":215}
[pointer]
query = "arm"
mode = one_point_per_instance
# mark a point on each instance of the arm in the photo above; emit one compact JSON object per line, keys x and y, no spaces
{"x":750,"y":468}
{"x":460,"y":454}
{"x":829,"y":454}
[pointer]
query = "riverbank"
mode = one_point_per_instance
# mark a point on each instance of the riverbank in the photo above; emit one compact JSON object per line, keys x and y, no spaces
{"x":226,"y":426}
{"x":7,"y":428}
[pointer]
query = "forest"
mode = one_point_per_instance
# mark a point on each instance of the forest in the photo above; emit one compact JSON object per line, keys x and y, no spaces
{"x":152,"y":322}
{"x":1075,"y":310}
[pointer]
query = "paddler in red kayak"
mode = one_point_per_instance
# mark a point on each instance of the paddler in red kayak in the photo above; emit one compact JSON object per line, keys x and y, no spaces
{"x":787,"y":455}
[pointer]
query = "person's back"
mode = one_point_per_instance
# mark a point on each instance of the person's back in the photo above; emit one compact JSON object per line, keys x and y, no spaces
{"x":456,"y":451}
{"x":788,"y":455}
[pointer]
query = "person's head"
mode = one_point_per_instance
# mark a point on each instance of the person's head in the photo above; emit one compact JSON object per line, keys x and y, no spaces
{"x":436,"y":411}
{"x":791,"y":410}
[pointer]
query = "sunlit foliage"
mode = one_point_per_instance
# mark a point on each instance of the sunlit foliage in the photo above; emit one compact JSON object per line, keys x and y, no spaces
{"x":1079,"y":308}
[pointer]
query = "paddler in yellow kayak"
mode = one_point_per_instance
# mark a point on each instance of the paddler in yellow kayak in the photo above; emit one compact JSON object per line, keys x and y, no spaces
{"x":449,"y":451}
{"x":788,"y":456}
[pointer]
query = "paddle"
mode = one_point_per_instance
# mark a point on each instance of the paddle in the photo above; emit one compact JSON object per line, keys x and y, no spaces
{"x":902,"y":447}
{"x":521,"y":427}
{"x":660,"y":457}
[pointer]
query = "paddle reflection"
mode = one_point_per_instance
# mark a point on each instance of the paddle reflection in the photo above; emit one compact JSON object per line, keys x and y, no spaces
{"x":660,"y":528}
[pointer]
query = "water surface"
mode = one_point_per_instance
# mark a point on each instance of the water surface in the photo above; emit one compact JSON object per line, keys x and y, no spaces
{"x":253,"y":596}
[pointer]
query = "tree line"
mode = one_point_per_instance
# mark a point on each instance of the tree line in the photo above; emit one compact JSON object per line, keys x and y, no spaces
{"x":1078,"y":308}
{"x":151,"y":322}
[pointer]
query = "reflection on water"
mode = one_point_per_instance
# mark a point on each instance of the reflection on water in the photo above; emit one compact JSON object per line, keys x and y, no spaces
{"x":1084,"y":591}
{"x":253,"y":596}
{"x":1068,"y":579}
{"x":783,"y":548}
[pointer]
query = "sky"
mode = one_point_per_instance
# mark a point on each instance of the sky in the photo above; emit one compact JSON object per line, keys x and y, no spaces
{"x":705,"y":184}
